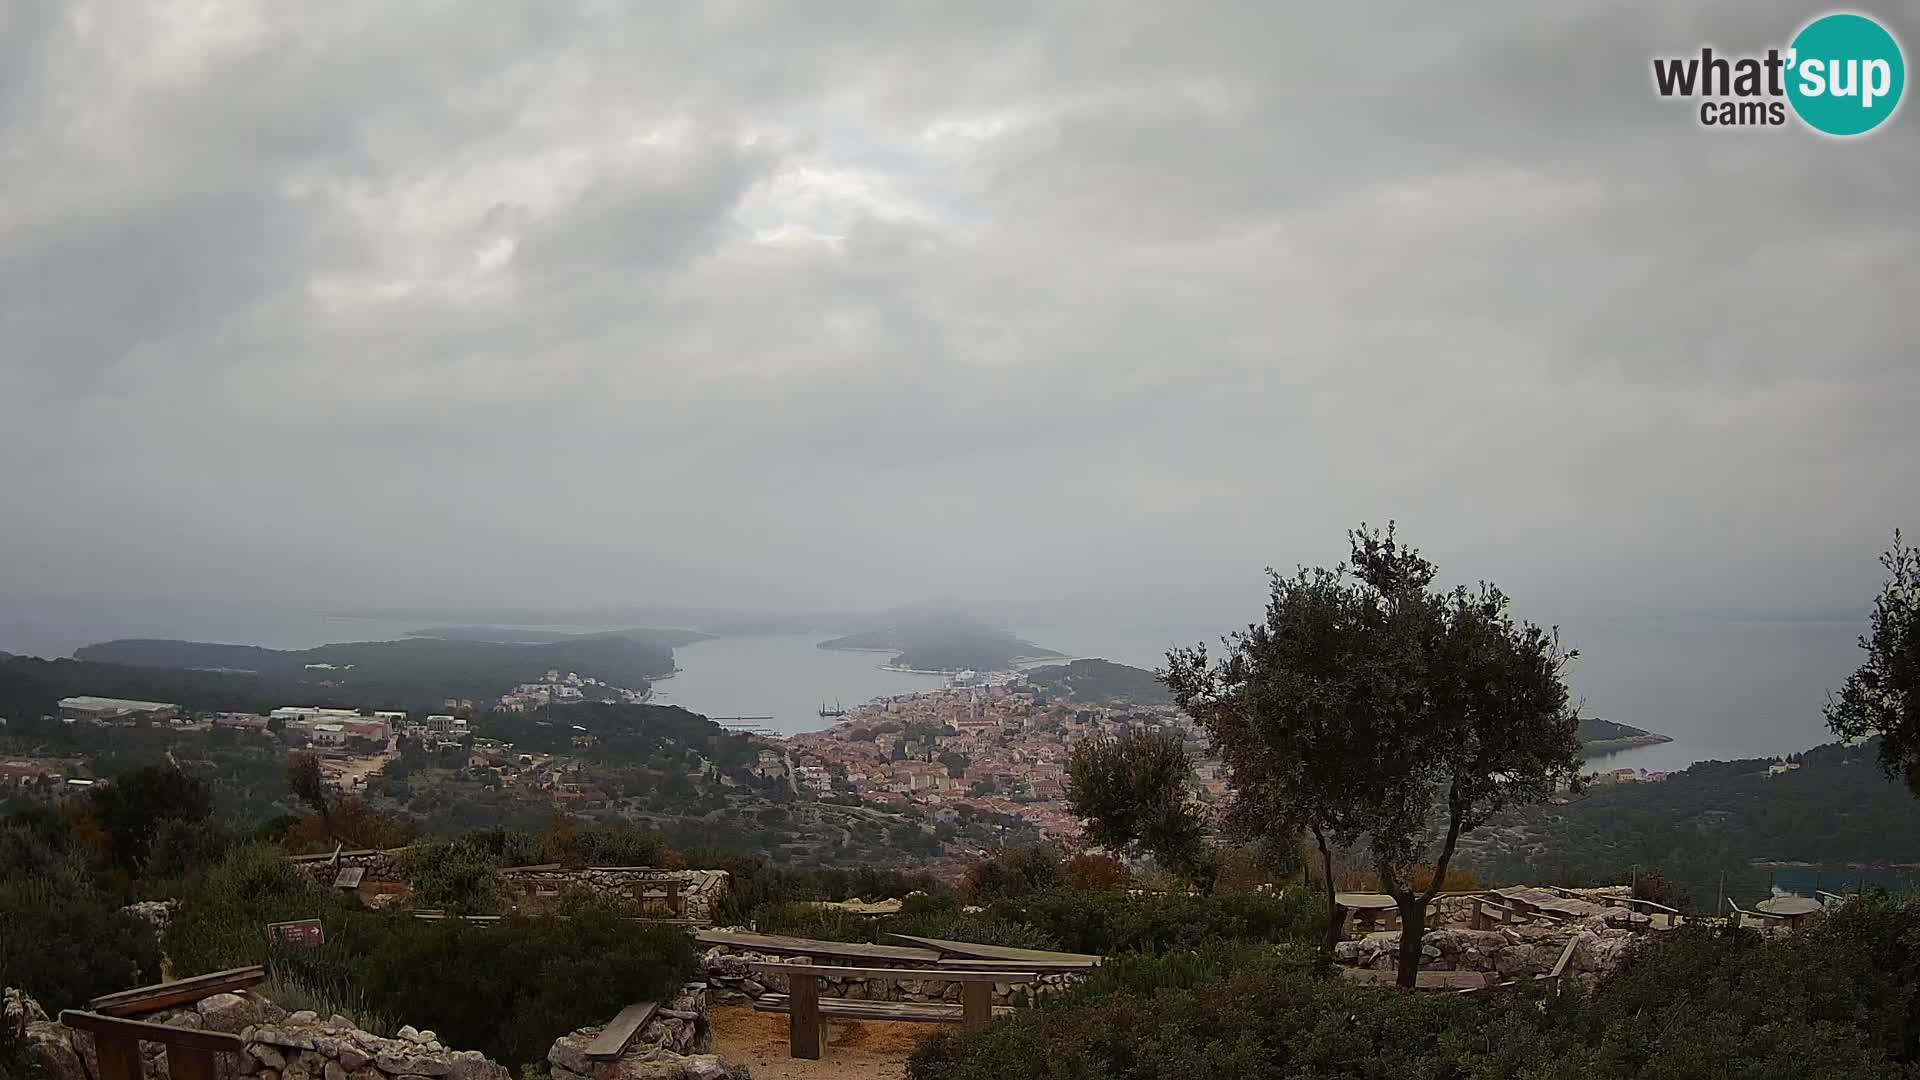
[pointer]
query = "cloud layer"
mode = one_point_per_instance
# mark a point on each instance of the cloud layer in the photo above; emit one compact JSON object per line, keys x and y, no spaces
{"x":1092,"y":306}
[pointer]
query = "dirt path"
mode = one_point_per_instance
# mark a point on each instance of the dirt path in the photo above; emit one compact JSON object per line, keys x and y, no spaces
{"x":855,"y":1050}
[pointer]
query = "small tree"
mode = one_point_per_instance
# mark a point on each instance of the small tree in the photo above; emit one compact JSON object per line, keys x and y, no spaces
{"x":1133,"y":793}
{"x":307,"y":784}
{"x":131,"y":806}
{"x":1882,"y":697}
{"x":1372,"y":707}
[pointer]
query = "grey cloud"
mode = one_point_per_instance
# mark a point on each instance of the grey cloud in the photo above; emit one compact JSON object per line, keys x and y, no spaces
{"x":1090,"y":304}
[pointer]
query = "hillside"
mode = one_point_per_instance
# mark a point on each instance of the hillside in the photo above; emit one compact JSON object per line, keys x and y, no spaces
{"x":408,"y":672}
{"x":1604,"y":736}
{"x":1835,"y":815}
{"x":31,"y":687}
{"x":943,"y":642}
{"x":1098,"y":681}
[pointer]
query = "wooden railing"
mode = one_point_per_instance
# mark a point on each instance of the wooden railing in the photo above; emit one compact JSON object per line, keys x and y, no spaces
{"x":116,"y":1043}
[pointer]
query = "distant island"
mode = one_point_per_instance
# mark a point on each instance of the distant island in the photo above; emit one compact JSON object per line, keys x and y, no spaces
{"x":1606,"y":736}
{"x":528,"y":635}
{"x":943,"y":643}
{"x":410,"y":672}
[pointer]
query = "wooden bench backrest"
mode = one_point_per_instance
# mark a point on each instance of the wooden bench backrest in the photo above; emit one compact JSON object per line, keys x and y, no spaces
{"x":834,"y":971}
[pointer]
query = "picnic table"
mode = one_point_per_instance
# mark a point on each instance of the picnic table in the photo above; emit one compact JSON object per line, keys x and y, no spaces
{"x":1369,"y":911}
{"x":1788,"y":909}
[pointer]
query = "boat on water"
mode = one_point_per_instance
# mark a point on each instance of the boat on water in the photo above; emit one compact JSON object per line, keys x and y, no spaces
{"x":837,"y":711}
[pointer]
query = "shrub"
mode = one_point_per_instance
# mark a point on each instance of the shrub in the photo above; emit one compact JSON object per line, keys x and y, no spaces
{"x":132,"y":807}
{"x":1835,"y":1000}
{"x":64,"y":943}
{"x":508,"y":989}
{"x":1095,"y":872}
{"x":456,"y":875}
{"x":1115,"y":922}
{"x":1014,"y":873}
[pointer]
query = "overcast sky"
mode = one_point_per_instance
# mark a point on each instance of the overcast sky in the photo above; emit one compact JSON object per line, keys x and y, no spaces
{"x":1082,"y":306}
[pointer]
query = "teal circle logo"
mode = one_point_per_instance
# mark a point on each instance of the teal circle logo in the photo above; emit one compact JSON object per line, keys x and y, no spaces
{"x":1845,"y":74}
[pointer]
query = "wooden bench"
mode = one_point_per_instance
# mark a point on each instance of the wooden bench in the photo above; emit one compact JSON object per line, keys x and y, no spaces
{"x":168,"y":995}
{"x":613,"y":1039}
{"x":804,"y":1007}
{"x":116,"y":1042}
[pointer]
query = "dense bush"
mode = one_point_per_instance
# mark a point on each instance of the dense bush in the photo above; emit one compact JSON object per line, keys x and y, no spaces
{"x":1836,"y":1002}
{"x":1016,"y":872}
{"x":456,"y":875}
{"x":758,"y":887}
{"x":507,"y":989}
{"x":1116,"y":922}
{"x":941,"y":920}
{"x":64,"y":942}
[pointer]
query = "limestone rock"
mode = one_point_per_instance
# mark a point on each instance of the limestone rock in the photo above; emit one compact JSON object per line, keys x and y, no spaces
{"x":396,"y":1063}
{"x":51,"y":1044}
{"x":229,"y":1013}
{"x":267,"y":1055}
{"x":569,"y":1052}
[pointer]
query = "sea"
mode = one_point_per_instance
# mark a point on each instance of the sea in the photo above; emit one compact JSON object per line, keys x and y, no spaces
{"x":1721,"y":688}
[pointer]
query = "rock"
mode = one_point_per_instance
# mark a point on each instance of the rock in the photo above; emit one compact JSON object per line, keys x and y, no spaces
{"x":473,"y":1065}
{"x":304,"y":1016}
{"x":401,"y":1064}
{"x":569,"y":1052}
{"x":408,"y":1032}
{"x":267,"y":1074}
{"x":1514,"y":960}
{"x":267,"y":1055}
{"x":426,"y":1037}
{"x":20,"y":1008}
{"x":352,"y":1059}
{"x":53,"y":1048}
{"x":332,"y":1071}
{"x":230,"y":1013}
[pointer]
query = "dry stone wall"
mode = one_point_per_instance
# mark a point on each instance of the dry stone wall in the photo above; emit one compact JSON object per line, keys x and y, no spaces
{"x":279,"y":1045}
{"x":700,"y":890}
{"x":1515,"y":952}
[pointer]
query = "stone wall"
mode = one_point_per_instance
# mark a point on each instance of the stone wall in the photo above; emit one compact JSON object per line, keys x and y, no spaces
{"x":1511,"y":952}
{"x":731,"y":979}
{"x":279,"y":1045}
{"x":672,"y":1046}
{"x":701,"y":889}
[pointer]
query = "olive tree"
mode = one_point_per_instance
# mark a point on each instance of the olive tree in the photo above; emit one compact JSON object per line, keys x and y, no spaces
{"x":1372,"y":708}
{"x":1134,"y":793}
{"x":1882,"y":697}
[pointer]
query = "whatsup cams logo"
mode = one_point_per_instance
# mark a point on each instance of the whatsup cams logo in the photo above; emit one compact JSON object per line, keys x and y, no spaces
{"x":1842,"y":74}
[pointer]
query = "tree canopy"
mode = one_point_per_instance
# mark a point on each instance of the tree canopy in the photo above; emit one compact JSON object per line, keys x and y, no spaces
{"x":1882,"y":697}
{"x":1371,"y":707}
{"x":1133,"y":792}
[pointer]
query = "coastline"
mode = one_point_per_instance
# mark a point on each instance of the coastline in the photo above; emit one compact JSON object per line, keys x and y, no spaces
{"x":1602,"y":747}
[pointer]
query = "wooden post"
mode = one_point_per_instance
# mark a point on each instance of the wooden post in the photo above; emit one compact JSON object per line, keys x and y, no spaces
{"x":188,"y":1063}
{"x":803,"y":1017}
{"x":1479,"y":915}
{"x":119,"y":1056}
{"x":976,"y":1004}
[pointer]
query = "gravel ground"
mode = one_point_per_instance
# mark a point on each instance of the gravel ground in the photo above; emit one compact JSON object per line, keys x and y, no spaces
{"x":855,"y":1050}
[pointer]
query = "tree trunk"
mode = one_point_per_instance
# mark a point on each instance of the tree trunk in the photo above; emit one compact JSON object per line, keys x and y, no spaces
{"x":1335,"y":925}
{"x":1413,"y":931}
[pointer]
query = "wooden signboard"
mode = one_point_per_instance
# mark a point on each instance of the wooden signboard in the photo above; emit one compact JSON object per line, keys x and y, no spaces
{"x":299,"y":934}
